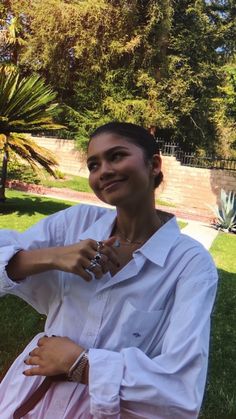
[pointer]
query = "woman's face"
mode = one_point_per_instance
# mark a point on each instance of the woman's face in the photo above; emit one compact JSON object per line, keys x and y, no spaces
{"x":119,"y":173}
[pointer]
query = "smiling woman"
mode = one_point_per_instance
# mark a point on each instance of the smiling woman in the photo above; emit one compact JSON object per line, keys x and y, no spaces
{"x":127,"y":297}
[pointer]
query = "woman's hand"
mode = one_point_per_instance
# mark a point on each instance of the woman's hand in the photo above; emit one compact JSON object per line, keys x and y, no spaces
{"x":52,"y":356}
{"x":77,"y":258}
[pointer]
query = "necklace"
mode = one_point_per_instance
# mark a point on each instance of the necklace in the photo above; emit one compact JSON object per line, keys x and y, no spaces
{"x":128,"y":241}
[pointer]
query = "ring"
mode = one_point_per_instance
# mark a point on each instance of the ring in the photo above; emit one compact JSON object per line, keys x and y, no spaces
{"x":97,"y":257}
{"x":100,"y":246}
{"x":92,"y":265}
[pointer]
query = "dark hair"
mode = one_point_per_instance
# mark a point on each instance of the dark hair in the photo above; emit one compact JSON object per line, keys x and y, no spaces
{"x":138,"y":135}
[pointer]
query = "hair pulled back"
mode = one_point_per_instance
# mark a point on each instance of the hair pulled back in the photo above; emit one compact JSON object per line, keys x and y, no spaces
{"x":137,"y":135}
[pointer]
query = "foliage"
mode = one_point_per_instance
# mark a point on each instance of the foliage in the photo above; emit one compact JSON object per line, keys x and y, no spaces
{"x":226,"y":212}
{"x":22,"y":172}
{"x":161,"y":64}
{"x":25,"y":106}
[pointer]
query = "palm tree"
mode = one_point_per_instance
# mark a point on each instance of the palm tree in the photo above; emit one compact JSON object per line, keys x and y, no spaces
{"x":26,"y":105}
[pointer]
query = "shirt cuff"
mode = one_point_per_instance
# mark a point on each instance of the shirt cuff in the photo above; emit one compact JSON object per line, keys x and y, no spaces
{"x":6,"y":253}
{"x":105,"y":375}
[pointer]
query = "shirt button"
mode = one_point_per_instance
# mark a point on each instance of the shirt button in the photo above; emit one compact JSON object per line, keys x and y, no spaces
{"x":100,"y":296}
{"x":90,"y":334}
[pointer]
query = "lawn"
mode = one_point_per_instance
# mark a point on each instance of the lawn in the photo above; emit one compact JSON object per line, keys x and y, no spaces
{"x":19,"y":322}
{"x":76,"y":183}
{"x":220,"y":398}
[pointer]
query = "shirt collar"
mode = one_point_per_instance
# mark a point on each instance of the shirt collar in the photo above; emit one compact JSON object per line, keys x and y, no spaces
{"x":101,"y":229}
{"x":156,"y":249}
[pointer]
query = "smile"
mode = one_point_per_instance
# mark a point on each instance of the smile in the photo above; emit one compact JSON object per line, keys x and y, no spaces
{"x":112,"y":185}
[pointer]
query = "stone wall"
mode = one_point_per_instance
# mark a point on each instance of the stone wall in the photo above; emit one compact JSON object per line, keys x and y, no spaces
{"x":188,"y":187}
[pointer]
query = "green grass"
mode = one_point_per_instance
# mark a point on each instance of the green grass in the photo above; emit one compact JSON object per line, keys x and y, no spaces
{"x":76,"y":183}
{"x":220,"y":398}
{"x":164,"y":203}
{"x":79,"y":184}
{"x":182,"y":224}
{"x":22,"y":210}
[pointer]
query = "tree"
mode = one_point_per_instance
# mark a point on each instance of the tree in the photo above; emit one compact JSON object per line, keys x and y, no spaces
{"x":26,"y":105}
{"x":154,"y":62}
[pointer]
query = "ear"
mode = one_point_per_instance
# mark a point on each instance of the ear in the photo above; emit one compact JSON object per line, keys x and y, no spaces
{"x":156,"y":164}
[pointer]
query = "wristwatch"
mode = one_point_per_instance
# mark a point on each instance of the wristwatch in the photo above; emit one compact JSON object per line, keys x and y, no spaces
{"x":76,"y":370}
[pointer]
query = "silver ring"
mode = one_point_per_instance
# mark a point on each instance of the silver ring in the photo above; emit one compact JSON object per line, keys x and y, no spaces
{"x":93,"y":264}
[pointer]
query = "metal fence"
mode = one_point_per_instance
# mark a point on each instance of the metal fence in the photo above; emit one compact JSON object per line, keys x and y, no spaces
{"x":191,"y":159}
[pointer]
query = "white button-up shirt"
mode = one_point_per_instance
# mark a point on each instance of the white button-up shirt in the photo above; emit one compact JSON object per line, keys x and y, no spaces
{"x":147,"y":327}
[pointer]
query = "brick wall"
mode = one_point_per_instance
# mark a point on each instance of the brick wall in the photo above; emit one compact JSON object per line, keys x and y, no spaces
{"x":194,"y":187}
{"x":188,"y":187}
{"x":70,"y":160}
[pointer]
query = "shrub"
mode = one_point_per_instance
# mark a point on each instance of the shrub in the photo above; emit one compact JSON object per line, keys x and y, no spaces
{"x":23,"y":172}
{"x":226,"y":212}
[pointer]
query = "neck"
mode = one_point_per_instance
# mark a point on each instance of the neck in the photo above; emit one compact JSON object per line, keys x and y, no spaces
{"x":136,"y":227}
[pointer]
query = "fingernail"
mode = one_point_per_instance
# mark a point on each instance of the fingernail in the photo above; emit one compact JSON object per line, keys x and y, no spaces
{"x":116,"y":243}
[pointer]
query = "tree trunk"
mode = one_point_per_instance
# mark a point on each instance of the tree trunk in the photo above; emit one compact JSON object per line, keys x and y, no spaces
{"x":4,"y":173}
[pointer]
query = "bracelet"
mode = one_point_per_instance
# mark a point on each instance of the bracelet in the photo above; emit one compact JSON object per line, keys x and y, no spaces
{"x":76,"y":370}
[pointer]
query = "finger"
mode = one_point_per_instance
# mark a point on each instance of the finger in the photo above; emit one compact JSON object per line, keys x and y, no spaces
{"x":42,"y":340}
{"x":86,"y":275}
{"x":34,"y":352}
{"x":110,"y":241}
{"x":33,"y":371}
{"x":98,"y":273}
{"x":104,"y":264}
{"x":32,"y":360}
{"x":94,"y":267}
{"x":111,"y":255}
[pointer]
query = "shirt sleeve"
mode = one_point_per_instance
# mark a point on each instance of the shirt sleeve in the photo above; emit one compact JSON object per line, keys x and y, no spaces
{"x":171,"y":385}
{"x":46,"y":233}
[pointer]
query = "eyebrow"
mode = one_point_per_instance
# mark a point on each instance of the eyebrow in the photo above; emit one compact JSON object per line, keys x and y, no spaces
{"x":107,"y":152}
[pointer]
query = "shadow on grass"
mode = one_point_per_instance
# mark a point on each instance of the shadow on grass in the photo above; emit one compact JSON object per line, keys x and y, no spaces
{"x":220,"y":397}
{"x":19,"y":324}
{"x":31,"y":205}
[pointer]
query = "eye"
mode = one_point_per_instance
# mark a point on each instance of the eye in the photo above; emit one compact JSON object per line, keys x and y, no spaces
{"x":118,"y":155}
{"x":92,"y":166}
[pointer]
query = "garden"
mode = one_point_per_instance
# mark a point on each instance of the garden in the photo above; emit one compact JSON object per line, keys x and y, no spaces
{"x":65,"y":69}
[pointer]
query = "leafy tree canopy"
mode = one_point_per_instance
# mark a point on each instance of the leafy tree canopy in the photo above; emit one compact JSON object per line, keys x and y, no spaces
{"x":157,"y":63}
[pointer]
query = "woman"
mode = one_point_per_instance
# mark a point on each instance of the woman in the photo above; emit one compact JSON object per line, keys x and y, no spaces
{"x":132,"y":295}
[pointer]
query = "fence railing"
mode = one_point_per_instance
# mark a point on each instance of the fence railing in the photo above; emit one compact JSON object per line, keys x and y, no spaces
{"x":191,"y":159}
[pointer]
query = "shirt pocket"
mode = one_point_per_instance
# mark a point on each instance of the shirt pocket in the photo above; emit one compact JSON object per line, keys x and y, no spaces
{"x":138,"y":328}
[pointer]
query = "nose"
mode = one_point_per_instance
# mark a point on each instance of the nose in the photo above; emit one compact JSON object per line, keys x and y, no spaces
{"x":106,"y":170}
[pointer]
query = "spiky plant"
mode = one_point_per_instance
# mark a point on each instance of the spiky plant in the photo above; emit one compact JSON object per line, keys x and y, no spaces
{"x":226,"y":212}
{"x":26,"y":105}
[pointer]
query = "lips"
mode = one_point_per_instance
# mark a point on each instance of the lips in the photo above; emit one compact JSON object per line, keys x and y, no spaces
{"x":113,"y":183}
